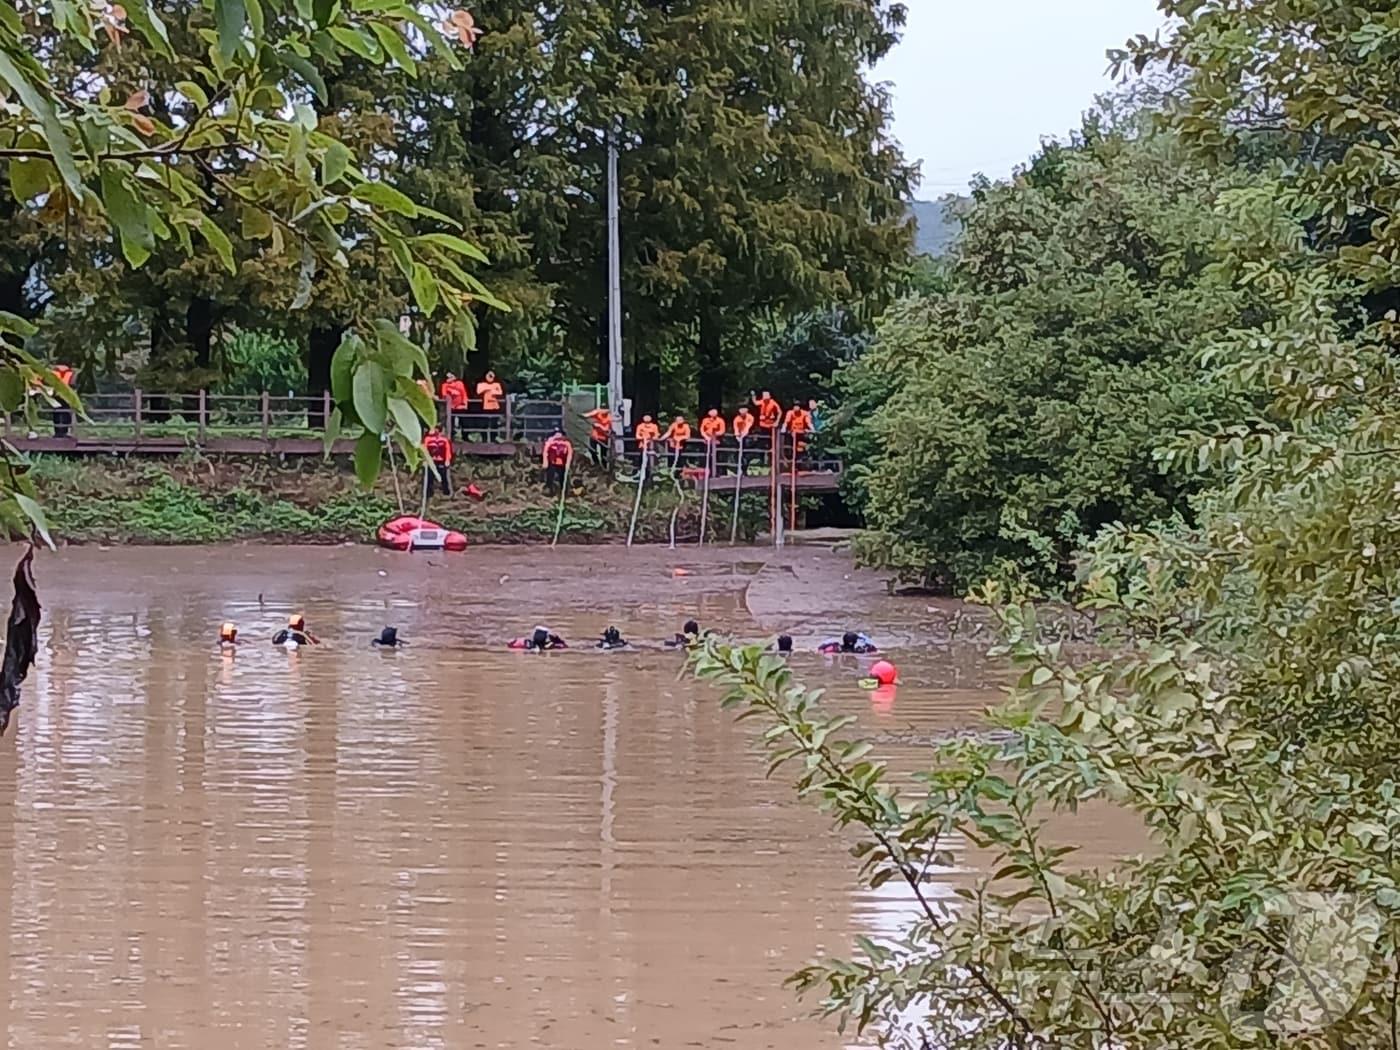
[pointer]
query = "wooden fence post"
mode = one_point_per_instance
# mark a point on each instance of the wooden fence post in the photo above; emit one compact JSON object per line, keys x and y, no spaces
{"x":510,"y":429}
{"x":136,"y":411}
{"x":203,"y":413}
{"x":266,"y":414}
{"x":326,"y":408}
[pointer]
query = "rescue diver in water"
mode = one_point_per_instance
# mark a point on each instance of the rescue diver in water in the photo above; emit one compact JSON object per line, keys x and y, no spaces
{"x":388,"y":638}
{"x":611,"y":639}
{"x":541,"y":640}
{"x":295,"y":634}
{"x":850,"y":642}
{"x":690,"y":634}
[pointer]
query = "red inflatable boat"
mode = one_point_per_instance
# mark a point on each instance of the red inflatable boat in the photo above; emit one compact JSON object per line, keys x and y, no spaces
{"x":415,"y":534}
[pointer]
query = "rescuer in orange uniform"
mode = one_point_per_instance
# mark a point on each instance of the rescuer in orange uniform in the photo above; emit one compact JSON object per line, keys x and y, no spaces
{"x":647,"y":434}
{"x":711,"y":429}
{"x":438,"y":446}
{"x":600,"y":438}
{"x":558,"y":454}
{"x":62,"y":414}
{"x":798,"y":423}
{"x":489,"y":391}
{"x":743,"y":423}
{"x":770,"y":413}
{"x":677,"y":434}
{"x":454,"y":392}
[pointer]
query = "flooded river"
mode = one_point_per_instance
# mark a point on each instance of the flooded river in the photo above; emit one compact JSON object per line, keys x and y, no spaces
{"x":451,"y":845}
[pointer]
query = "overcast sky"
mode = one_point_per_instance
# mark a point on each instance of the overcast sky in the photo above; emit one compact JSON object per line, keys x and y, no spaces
{"x":976,"y":83}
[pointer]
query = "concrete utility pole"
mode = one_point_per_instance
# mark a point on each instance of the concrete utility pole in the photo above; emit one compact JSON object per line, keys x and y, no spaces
{"x":615,"y":404}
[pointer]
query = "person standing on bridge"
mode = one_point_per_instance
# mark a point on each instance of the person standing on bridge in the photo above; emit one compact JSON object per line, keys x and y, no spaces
{"x":677,"y":434}
{"x":712,"y":430}
{"x":797,"y":424}
{"x":62,"y":414}
{"x":600,"y":437}
{"x":438,"y":472}
{"x":454,"y":393}
{"x":743,"y":425}
{"x":647,"y":435}
{"x":490,"y":392}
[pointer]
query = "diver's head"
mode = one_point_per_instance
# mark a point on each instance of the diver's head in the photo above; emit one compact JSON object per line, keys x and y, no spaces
{"x":691,"y":628}
{"x":540,"y":638}
{"x":849,"y":640}
{"x":784,"y":643}
{"x":228,"y":633}
{"x":612,"y":636}
{"x":389,"y":636}
{"x":296,"y":622}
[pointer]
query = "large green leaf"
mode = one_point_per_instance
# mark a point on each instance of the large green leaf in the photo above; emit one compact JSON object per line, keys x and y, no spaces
{"x":369,"y":388}
{"x":425,"y":288}
{"x":408,"y":354}
{"x":308,"y":72}
{"x":335,"y":163}
{"x":35,"y":514}
{"x":55,"y":131}
{"x":453,"y":243}
{"x":394,"y":47}
{"x":332,"y":433}
{"x":231,"y":19}
{"x":382,"y":195}
{"x":343,"y":363}
{"x":148,"y":23}
{"x":31,"y":178}
{"x":406,"y":419}
{"x":357,"y":41}
{"x":368,"y":453}
{"x":129,"y":215}
{"x":218,"y":240}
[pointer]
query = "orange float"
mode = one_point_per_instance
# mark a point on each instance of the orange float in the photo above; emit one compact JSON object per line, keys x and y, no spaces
{"x":407,"y":533}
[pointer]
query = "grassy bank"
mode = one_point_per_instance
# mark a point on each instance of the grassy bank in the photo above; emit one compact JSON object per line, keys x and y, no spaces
{"x":198,"y":500}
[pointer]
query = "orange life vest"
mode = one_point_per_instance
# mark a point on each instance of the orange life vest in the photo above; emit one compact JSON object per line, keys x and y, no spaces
{"x":769,"y":413}
{"x":439,"y":448}
{"x":743,"y":423}
{"x":64,"y":373}
{"x":454,"y":392}
{"x":712,"y":427}
{"x":678,"y":434}
{"x":797,"y":420}
{"x":647,"y":433}
{"x":490,"y":394}
{"x":601,"y":419}
{"x":558,"y":450}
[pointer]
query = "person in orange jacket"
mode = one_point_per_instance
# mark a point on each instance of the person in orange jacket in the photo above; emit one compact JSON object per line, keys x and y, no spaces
{"x":558,"y":454}
{"x":770,"y":413}
{"x":711,"y":429}
{"x":677,"y":434}
{"x":454,"y":392}
{"x":647,"y":435}
{"x":600,"y":437}
{"x":438,"y":446}
{"x":797,"y":422}
{"x":743,"y":423}
{"x":490,"y":392}
{"x":62,"y":414}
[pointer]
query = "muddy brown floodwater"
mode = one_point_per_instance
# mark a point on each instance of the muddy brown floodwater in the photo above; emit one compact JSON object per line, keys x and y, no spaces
{"x":452,"y":845}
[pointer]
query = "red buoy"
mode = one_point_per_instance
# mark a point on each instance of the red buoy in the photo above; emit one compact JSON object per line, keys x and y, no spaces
{"x":884,"y":672}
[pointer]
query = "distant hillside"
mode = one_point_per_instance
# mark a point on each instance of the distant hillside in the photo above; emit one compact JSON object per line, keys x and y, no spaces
{"x":934,"y":225}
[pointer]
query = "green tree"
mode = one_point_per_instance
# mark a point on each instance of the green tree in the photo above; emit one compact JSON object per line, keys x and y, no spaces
{"x":1006,"y":415}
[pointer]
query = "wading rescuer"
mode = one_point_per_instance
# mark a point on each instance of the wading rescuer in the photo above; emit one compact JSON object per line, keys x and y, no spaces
{"x":454,"y":392}
{"x":438,"y":446}
{"x":850,"y":642}
{"x":648,"y":433}
{"x":677,"y":434}
{"x":541,"y":640}
{"x":295,"y":634}
{"x":228,"y":638}
{"x":489,"y":392}
{"x":558,"y":454}
{"x":600,"y":437}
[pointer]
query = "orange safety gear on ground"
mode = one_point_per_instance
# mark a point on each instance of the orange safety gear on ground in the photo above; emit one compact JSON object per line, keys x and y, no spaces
{"x":64,"y":373}
{"x":601,"y":419}
{"x":647,"y":432}
{"x":454,"y":392}
{"x":712,"y":426}
{"x":798,"y":420}
{"x":769,"y":413}
{"x":558,"y":450}
{"x":490,"y":393}
{"x":439,"y":447}
{"x":678,"y":433}
{"x":743,"y":423}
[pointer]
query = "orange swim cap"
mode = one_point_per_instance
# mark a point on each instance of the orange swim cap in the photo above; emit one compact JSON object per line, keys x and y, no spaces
{"x":296,"y":622}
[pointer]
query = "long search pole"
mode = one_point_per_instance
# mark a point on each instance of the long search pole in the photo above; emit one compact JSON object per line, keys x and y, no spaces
{"x":614,"y":294}
{"x":792,"y":503}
